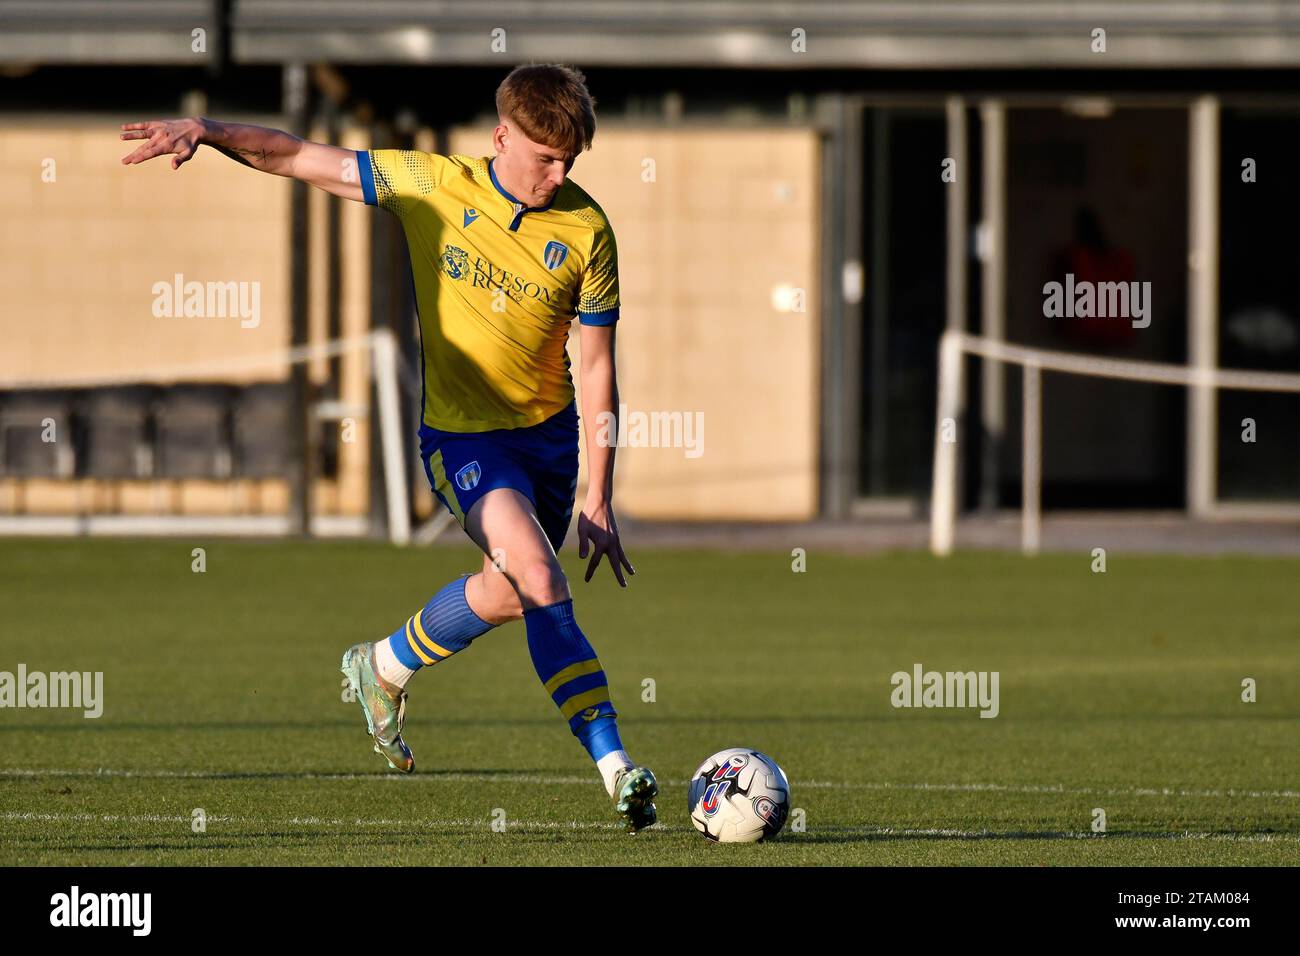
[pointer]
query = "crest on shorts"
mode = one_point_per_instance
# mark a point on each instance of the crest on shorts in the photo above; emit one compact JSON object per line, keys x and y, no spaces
{"x":468,"y":476}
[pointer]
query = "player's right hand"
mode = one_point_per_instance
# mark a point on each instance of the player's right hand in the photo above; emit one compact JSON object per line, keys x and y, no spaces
{"x":179,"y":137}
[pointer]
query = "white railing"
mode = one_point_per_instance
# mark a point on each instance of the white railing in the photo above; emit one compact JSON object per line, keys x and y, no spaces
{"x":954,"y":346}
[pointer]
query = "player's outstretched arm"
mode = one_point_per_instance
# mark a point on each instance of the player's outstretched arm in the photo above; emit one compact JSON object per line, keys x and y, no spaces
{"x":330,"y":168}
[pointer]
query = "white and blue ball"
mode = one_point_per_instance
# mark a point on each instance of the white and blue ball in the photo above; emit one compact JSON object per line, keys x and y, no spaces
{"x":739,"y":796}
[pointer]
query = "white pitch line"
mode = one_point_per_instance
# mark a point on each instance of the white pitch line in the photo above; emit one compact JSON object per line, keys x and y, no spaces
{"x":546,"y":779}
{"x":1083,"y":835}
{"x":1057,"y":788}
{"x":553,"y":826}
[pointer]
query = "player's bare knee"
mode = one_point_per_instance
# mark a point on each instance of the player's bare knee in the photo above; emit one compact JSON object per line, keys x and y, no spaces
{"x":508,"y":605}
{"x":541,"y":582}
{"x":492,"y":597}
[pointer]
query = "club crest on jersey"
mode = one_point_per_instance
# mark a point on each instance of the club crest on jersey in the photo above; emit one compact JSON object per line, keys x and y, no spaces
{"x":468,"y":476}
{"x":470,"y":216}
{"x":455,"y":261}
{"x":554,"y":254}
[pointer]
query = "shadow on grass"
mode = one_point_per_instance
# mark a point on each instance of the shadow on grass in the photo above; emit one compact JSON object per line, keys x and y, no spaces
{"x":276,"y":774}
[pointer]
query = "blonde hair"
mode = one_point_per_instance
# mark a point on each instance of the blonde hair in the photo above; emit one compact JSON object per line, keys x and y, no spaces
{"x":550,"y":104}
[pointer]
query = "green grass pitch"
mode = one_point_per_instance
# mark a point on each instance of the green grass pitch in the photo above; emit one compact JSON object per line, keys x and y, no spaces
{"x":1119,"y":691}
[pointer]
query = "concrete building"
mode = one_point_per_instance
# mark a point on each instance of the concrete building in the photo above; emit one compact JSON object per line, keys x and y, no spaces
{"x":805,"y":196}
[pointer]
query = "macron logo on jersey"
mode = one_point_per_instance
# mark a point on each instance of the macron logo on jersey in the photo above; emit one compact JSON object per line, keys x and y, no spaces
{"x":470,"y":216}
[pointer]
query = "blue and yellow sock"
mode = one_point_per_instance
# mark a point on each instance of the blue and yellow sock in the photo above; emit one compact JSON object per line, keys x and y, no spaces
{"x":567,"y":666}
{"x":445,"y":625}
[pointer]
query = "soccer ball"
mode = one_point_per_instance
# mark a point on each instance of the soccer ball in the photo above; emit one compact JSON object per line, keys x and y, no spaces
{"x":739,"y":796}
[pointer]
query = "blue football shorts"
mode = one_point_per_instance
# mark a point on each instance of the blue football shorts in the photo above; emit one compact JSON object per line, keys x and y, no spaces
{"x":539,"y":461}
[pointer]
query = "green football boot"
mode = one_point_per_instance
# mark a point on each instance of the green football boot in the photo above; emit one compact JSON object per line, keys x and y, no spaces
{"x":384,"y":705}
{"x":634,"y":790}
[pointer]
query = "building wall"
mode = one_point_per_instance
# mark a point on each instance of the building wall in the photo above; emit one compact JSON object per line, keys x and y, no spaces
{"x":709,"y":223}
{"x":79,"y":259}
{"x":79,"y":256}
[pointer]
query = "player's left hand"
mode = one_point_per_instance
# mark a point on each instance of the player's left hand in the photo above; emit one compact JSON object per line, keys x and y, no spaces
{"x":179,"y":138}
{"x":601,"y":532}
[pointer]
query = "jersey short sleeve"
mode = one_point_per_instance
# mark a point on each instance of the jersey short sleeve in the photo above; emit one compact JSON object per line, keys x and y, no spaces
{"x":598,"y":295}
{"x":390,"y":178}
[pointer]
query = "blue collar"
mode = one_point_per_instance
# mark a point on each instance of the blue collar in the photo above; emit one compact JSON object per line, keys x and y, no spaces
{"x":504,"y":192}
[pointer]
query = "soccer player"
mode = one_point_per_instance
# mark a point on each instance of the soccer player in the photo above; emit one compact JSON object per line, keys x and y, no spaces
{"x":505,"y":250}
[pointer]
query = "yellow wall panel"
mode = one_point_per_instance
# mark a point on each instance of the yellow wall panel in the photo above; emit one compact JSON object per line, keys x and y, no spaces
{"x":83,"y":253}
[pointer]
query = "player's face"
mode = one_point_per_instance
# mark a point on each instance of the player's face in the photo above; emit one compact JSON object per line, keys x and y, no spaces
{"x":531,"y":171}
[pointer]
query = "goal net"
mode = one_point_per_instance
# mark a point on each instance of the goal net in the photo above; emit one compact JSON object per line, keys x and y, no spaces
{"x":955,"y":346}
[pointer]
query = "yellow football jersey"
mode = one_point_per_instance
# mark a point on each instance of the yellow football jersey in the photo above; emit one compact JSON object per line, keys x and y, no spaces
{"x":497,"y":284}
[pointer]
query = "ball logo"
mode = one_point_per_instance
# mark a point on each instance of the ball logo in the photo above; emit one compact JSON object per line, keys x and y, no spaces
{"x":468,"y":476}
{"x":731,"y":767}
{"x":713,"y":797}
{"x":721,"y":782}
{"x":768,"y":810}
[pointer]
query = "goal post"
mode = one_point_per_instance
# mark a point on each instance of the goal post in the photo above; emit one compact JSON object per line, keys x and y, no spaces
{"x":383,"y":355}
{"x":955,"y":346}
